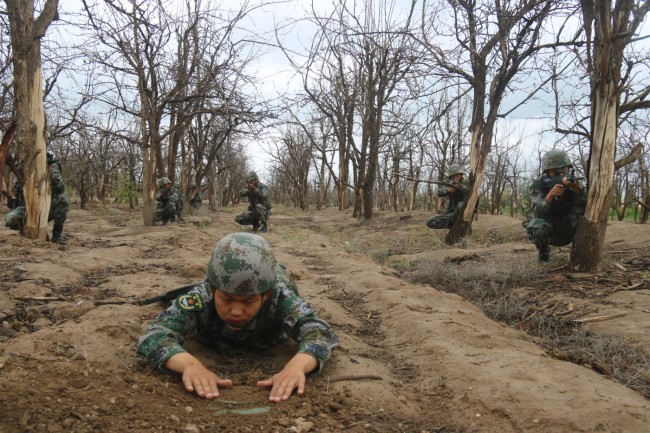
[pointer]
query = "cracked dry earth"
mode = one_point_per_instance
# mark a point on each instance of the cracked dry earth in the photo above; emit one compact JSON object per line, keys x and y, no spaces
{"x":412,"y":358}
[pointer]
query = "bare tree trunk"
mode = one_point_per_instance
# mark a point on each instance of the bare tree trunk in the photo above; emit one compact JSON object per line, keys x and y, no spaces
{"x":589,"y":242}
{"x":148,"y":185}
{"x":343,"y":179}
{"x":479,"y":150}
{"x":26,"y":33}
{"x":322,"y":195}
{"x":613,"y":28}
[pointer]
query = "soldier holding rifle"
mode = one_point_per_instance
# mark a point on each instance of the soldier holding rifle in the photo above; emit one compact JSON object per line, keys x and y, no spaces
{"x":559,"y":201}
{"x":455,"y":191}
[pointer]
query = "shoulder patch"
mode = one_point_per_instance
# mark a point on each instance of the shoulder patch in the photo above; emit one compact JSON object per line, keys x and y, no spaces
{"x":192,"y":302}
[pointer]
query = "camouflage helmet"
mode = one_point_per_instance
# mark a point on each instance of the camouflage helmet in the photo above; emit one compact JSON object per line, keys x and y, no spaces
{"x":251,"y":175}
{"x":242,"y":264}
{"x":455,"y":169}
{"x":50,"y":158}
{"x":163,"y":181}
{"x":556,"y":159}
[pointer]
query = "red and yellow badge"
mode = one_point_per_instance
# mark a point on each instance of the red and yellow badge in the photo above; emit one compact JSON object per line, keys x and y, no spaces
{"x":191,"y":302}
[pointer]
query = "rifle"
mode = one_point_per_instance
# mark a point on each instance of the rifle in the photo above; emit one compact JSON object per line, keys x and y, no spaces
{"x":169,"y":296}
{"x":164,"y":195}
{"x":549,"y":181}
{"x":435,"y":182}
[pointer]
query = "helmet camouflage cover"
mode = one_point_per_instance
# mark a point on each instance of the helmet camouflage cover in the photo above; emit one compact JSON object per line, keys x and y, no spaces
{"x":455,"y":169}
{"x":163,"y":181}
{"x":242,"y":264}
{"x":251,"y":175}
{"x":555,"y":159}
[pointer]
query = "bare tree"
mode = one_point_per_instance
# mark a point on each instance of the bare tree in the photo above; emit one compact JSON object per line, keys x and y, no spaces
{"x":6,"y":104}
{"x":329,"y":79}
{"x":6,"y":76}
{"x":292,"y":161}
{"x":494,"y":42}
{"x":609,"y":31}
{"x":500,"y":169}
{"x":178,"y":68}
{"x":26,"y":32}
{"x":358,"y":60}
{"x":644,"y":187}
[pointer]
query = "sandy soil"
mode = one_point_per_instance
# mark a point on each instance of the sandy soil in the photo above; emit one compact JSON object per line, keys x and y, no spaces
{"x":412,"y":358}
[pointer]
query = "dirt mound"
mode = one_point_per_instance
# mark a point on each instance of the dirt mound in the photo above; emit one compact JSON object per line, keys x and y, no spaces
{"x":412,"y":358}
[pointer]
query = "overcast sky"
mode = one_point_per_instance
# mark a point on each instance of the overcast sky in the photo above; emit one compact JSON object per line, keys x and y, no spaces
{"x":276,"y":76}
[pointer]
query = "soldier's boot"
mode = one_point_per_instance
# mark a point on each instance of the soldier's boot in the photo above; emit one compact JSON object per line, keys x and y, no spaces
{"x":57,"y":234}
{"x":256,"y":227}
{"x":180,"y":218}
{"x":544,"y":253}
{"x":264,"y":228}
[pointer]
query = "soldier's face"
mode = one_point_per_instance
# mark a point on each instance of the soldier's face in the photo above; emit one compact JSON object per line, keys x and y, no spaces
{"x":237,"y":310}
{"x":552,"y":172}
{"x":254,"y":182}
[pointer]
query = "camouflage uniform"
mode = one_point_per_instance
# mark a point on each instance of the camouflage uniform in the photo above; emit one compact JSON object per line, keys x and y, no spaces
{"x":455,"y":201}
{"x":259,"y":208}
{"x":553,"y":223}
{"x":166,"y":206}
{"x":59,"y":206}
{"x":180,"y":202}
{"x":283,"y":315}
{"x":196,"y":201}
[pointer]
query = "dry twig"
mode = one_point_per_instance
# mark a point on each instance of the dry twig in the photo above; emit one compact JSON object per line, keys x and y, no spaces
{"x":40,"y":298}
{"x":355,"y":377}
{"x":599,"y":318}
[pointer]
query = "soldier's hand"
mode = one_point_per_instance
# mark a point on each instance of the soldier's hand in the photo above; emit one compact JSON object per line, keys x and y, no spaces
{"x":292,"y":377}
{"x":205,"y":383}
{"x":556,"y":191}
{"x":575,"y":186}
{"x":197,"y":378}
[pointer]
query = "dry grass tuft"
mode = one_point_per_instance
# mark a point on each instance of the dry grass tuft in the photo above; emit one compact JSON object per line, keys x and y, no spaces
{"x":489,"y":286}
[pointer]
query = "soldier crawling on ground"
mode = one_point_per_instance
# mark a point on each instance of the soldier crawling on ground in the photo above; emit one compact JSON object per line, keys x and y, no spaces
{"x":167,"y":202}
{"x":259,"y":208}
{"x":455,"y":195}
{"x":559,"y":201}
{"x":59,"y":207}
{"x":247,"y":300}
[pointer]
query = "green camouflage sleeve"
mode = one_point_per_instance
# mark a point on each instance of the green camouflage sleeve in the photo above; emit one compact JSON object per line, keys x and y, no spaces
{"x":262,"y":192}
{"x":165,"y":335}
{"x":300,"y":322}
{"x":462,"y":186}
{"x":538,"y":199}
{"x":56,"y":182}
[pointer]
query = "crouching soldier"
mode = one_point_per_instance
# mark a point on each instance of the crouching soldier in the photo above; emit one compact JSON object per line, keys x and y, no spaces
{"x":455,"y":196}
{"x":59,"y":206}
{"x":559,"y":201}
{"x":246,"y":300}
{"x":166,"y":202}
{"x":196,"y":202}
{"x":259,"y":207}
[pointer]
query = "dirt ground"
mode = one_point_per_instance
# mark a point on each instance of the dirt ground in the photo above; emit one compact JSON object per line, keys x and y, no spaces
{"x":412,"y":358}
